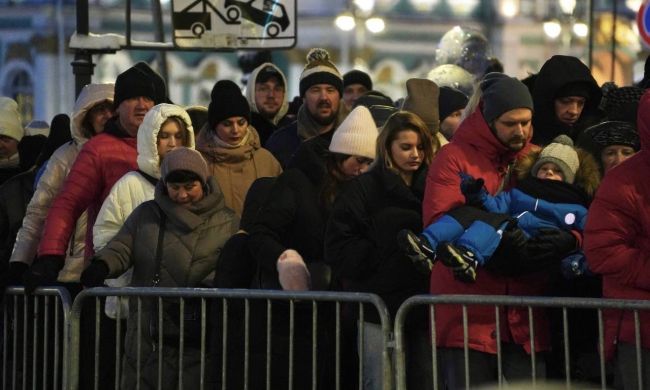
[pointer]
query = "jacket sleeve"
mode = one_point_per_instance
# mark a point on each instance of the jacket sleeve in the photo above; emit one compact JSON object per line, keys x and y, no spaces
{"x":614,"y":241}
{"x":442,"y":192}
{"x":273,"y":221}
{"x":117,"y":253}
{"x":499,"y":203}
{"x":347,"y":246}
{"x":111,"y":217}
{"x":80,"y":188}
{"x":46,"y":190}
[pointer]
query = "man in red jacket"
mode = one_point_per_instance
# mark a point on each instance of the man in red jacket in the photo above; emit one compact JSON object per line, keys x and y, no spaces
{"x":486,"y":145}
{"x":102,"y":161}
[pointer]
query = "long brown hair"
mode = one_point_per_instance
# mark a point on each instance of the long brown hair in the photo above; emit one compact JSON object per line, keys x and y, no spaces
{"x":402,"y":121}
{"x":333,"y":179}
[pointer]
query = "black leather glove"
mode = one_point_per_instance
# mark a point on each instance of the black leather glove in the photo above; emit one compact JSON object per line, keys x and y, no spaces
{"x":15,"y":273}
{"x":43,"y":272}
{"x":95,"y":274}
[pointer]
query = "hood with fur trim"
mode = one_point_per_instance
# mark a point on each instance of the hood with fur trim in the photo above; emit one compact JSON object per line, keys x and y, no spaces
{"x":250,"y":92}
{"x":90,"y":95}
{"x":148,"y":158}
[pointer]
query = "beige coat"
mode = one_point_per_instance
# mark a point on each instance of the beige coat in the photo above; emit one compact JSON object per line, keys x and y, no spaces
{"x":235,"y":169}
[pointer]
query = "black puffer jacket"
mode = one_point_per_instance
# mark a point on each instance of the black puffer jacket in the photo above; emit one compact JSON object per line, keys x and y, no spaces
{"x":556,"y":73}
{"x":361,"y":244}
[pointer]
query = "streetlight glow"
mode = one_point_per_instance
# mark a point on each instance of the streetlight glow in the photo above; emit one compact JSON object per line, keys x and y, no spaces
{"x":568,"y":6}
{"x":365,"y":5}
{"x":345,"y":21}
{"x":509,"y":8}
{"x":552,"y":29}
{"x":581,"y":30}
{"x":375,"y":25}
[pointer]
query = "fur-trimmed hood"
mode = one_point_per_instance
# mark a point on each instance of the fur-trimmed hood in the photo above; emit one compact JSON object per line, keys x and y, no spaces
{"x":148,"y":158}
{"x":587,"y":176}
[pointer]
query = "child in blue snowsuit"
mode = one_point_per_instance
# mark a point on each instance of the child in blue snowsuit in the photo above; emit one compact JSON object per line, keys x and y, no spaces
{"x":466,"y":247}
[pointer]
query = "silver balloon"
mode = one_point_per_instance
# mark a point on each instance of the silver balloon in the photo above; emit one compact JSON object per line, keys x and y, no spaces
{"x":452,"y":76}
{"x":465,"y":47}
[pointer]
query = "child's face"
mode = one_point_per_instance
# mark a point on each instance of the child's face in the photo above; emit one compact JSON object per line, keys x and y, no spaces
{"x":550,"y":171}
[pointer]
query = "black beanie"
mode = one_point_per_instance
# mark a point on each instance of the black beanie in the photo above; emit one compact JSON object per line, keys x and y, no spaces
{"x":131,"y":83}
{"x":450,"y":100}
{"x":357,"y":77}
{"x":226,"y":100}
{"x":614,"y":133}
{"x":578,"y":88}
{"x":158,"y":83}
{"x":502,"y":93}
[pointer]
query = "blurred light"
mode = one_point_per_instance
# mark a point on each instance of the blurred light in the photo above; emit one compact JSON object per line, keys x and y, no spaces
{"x":581,"y":30}
{"x":365,"y":5}
{"x":634,"y":5}
{"x":424,"y":5}
{"x":345,"y":21}
{"x":509,"y":8}
{"x":568,"y":6}
{"x":375,"y":25}
{"x":552,"y":29}
{"x":463,"y":7}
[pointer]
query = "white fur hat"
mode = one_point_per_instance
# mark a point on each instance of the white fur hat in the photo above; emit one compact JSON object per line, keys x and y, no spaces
{"x":356,"y":135}
{"x":10,"y":121}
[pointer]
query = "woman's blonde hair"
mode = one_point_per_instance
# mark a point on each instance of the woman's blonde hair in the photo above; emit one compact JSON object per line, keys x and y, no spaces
{"x":402,"y":121}
{"x":185,"y":135}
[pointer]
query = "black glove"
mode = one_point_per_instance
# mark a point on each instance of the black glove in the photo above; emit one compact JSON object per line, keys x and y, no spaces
{"x":15,"y":273}
{"x":95,"y":274}
{"x":43,"y":272}
{"x":510,"y":254}
{"x":552,"y":243}
{"x":472,"y":189}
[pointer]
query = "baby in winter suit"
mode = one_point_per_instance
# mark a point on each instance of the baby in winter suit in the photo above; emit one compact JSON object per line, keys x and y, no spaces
{"x":546,"y":200}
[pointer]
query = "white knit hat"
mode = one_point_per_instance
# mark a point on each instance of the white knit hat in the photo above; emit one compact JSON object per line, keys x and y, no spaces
{"x":10,"y":121}
{"x":356,"y":135}
{"x":561,"y":153}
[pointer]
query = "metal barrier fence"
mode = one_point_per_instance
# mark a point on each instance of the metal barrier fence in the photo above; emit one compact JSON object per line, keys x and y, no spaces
{"x":36,"y":355}
{"x":565,"y":304}
{"x":304,"y":309}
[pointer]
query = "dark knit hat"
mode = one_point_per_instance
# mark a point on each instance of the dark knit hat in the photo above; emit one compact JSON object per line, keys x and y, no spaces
{"x":422,"y":100}
{"x":621,"y":104}
{"x":134,"y":82}
{"x":373,"y":98}
{"x":561,"y":153}
{"x":578,"y":88}
{"x":614,"y":133}
{"x":357,"y":77}
{"x":502,"y":93}
{"x":450,"y":100}
{"x":158,"y":83}
{"x":184,"y":159}
{"x":320,"y":70}
{"x":226,"y":101}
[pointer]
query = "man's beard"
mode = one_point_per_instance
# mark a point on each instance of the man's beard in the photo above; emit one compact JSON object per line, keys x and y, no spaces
{"x":324,"y":121}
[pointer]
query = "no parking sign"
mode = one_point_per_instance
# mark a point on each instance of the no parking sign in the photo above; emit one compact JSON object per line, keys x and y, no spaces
{"x":643,"y":22}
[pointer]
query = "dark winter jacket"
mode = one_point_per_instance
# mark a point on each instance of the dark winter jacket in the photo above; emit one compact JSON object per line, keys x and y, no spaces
{"x":265,"y":128}
{"x":193,"y":239}
{"x":556,"y":73}
{"x":15,"y":194}
{"x":361,"y":244}
{"x":283,"y":143}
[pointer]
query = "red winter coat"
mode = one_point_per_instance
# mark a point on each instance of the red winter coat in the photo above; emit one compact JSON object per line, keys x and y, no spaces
{"x":617,"y":238}
{"x":100,"y":163}
{"x":476,"y":151}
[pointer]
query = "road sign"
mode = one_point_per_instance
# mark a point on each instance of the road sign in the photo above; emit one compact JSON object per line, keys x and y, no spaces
{"x":643,"y":22}
{"x":234,"y":24}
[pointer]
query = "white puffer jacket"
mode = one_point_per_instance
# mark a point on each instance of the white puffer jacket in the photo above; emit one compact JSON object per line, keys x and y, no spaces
{"x":50,"y":183}
{"x":134,"y":188}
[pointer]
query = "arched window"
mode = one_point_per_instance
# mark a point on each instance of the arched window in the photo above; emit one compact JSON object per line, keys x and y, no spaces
{"x":20,"y":87}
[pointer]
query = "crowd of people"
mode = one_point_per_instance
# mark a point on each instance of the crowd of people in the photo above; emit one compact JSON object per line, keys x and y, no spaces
{"x":527,"y":187}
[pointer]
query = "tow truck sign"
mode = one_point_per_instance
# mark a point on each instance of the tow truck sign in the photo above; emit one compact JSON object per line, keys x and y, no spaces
{"x":234,"y":24}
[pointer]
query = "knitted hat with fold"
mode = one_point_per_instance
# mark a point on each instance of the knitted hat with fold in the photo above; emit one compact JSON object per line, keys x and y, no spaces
{"x":356,"y":76}
{"x":502,"y":93}
{"x":226,"y":101}
{"x":134,"y":82}
{"x":450,"y":100}
{"x":356,"y":135}
{"x":184,"y":159}
{"x":422,"y":100}
{"x":561,"y":153}
{"x":10,"y":121}
{"x":320,"y":70}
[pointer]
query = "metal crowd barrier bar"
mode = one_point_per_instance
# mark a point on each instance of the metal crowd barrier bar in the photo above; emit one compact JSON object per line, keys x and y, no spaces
{"x":145,"y":302}
{"x":598,"y":304}
{"x":35,"y":326}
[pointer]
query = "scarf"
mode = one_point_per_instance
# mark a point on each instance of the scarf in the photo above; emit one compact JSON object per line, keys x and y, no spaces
{"x":307,"y":126}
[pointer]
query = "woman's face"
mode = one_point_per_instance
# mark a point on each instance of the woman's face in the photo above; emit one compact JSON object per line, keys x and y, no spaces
{"x":354,"y":166}
{"x":99,"y":114}
{"x":185,"y":194}
{"x":613,"y":155}
{"x":232,"y":130}
{"x":406,"y":151}
{"x":170,"y":137}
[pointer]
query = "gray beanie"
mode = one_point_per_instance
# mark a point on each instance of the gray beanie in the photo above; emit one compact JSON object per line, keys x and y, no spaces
{"x":184,"y":159}
{"x":561,"y":153}
{"x":502,"y":93}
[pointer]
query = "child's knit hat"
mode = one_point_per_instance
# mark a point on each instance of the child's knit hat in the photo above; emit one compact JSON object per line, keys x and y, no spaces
{"x":562,"y":153}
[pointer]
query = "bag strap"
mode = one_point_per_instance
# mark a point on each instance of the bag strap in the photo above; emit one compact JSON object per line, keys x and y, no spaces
{"x":161,"y":234}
